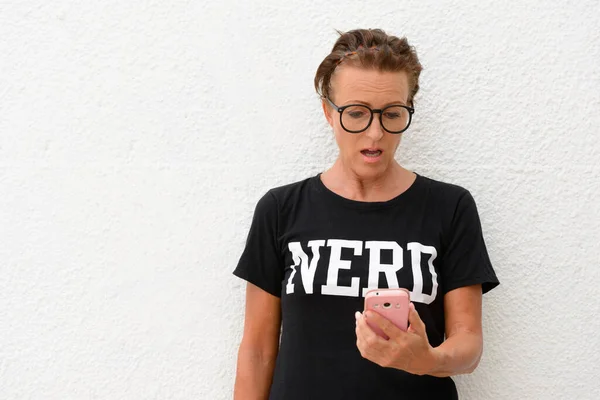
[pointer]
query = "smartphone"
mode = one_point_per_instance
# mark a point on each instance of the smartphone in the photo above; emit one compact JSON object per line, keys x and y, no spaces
{"x":392,"y":304}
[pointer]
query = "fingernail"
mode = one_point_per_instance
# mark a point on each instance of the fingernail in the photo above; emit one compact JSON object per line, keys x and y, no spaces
{"x":357,"y":315}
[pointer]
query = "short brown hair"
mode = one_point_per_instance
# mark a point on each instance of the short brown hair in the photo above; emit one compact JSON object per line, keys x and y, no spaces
{"x":370,"y":48}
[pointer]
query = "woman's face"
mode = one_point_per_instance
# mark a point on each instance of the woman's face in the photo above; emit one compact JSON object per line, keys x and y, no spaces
{"x":369,"y":153}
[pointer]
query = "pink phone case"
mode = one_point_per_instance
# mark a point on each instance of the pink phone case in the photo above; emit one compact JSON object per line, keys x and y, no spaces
{"x":392,"y":304}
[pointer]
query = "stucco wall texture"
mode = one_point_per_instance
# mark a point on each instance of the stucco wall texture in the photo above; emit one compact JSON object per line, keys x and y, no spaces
{"x":136,"y":138}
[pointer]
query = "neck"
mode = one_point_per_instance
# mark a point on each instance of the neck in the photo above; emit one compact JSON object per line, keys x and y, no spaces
{"x":381,"y":187}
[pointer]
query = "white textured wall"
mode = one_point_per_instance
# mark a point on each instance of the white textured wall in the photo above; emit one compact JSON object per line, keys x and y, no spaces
{"x":135,"y":139}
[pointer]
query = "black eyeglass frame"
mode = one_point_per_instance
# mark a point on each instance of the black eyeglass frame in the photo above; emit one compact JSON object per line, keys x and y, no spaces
{"x":380,"y":111}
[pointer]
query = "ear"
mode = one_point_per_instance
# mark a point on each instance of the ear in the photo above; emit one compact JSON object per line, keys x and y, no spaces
{"x":327,"y":112}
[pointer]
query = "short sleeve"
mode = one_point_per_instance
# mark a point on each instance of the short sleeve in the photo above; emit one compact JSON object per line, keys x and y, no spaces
{"x":466,"y":260}
{"x":260,"y":262}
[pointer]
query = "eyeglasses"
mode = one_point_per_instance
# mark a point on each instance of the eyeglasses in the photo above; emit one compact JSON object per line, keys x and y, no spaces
{"x":356,"y":118}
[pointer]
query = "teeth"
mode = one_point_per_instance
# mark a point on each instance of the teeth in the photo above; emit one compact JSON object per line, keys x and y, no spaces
{"x":371,"y":153}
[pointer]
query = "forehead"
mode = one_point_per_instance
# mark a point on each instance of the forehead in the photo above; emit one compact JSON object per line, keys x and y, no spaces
{"x":369,"y":85}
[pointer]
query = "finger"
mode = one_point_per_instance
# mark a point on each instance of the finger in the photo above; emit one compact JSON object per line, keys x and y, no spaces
{"x":391,"y":330}
{"x":362,"y":333}
{"x":365,"y":333}
{"x":362,"y":329}
{"x":416,"y":323}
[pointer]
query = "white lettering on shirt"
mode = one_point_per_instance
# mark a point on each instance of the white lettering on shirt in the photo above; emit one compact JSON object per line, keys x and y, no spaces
{"x":376,"y":267}
{"x":308,"y":267}
{"x":417,"y":293}
{"x":307,"y":270}
{"x":336,"y":263}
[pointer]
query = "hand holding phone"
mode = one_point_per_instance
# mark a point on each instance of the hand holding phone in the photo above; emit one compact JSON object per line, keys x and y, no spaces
{"x":392,"y":304}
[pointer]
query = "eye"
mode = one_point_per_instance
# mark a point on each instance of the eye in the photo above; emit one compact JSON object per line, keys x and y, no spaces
{"x":392,"y":115}
{"x":357,"y":114}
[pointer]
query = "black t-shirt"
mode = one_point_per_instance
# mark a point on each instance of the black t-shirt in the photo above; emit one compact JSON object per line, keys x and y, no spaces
{"x":320,"y":252}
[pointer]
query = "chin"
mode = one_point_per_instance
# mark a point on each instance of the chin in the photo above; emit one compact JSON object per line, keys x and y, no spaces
{"x":367,"y":171}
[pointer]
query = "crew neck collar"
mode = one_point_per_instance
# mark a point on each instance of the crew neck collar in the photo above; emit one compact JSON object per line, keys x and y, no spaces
{"x":343,"y":201}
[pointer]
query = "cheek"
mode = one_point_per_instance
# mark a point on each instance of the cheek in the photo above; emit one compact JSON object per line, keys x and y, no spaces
{"x":396,"y":141}
{"x":345,"y":141}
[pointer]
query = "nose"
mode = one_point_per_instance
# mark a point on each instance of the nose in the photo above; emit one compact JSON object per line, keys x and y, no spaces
{"x":375,"y":130}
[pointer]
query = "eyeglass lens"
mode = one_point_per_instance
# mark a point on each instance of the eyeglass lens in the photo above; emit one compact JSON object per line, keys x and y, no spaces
{"x":357,"y":118}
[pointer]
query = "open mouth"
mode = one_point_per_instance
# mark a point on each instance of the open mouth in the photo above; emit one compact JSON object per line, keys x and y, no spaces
{"x":371,"y":153}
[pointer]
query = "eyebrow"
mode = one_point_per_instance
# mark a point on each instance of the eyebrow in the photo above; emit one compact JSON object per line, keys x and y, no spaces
{"x":369,"y":104}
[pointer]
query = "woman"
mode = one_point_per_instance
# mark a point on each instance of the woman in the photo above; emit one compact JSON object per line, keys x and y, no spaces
{"x":316,"y":246}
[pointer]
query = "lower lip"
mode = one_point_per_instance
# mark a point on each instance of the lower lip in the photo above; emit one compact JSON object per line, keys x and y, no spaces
{"x":372,"y":160}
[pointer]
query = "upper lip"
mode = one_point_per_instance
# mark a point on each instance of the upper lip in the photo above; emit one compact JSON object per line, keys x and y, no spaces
{"x":372,"y":149}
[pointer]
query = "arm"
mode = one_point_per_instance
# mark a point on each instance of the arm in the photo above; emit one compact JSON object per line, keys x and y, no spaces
{"x":410,"y":351}
{"x":260,"y":345}
{"x":461,"y":351}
